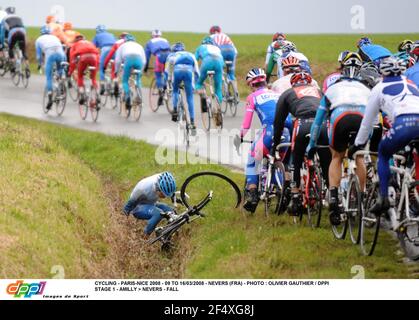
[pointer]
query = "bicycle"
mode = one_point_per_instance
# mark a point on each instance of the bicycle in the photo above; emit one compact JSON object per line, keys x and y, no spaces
{"x":165,"y":234}
{"x":136,"y":98}
{"x":4,"y":61}
{"x":230,"y":93}
{"x":154,"y":95}
{"x":209,"y":112}
{"x":21,"y":72}
{"x":59,"y":91}
{"x":184,"y":122}
{"x":91,"y":99}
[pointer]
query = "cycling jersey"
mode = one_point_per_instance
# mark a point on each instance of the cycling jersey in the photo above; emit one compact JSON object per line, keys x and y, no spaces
{"x":273,"y":61}
{"x":70,"y":36}
{"x":10,"y":25}
{"x":228,"y":51}
{"x":84,"y":54}
{"x":111,"y":55}
{"x":374,"y":52}
{"x":212,"y":60}
{"x":331,"y":80}
{"x":49,"y":50}
{"x":104,"y":39}
{"x":283,"y":84}
{"x":269,"y":52}
{"x":58,"y":31}
{"x":413,"y":74}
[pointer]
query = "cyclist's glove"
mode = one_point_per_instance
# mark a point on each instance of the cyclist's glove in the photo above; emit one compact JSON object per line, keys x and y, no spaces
{"x":129,"y":207}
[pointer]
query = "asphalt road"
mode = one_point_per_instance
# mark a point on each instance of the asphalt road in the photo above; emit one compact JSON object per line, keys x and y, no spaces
{"x":155,"y":128}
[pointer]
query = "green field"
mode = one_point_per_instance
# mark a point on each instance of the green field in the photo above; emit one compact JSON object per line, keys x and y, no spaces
{"x":62,"y":191}
{"x":322,"y":50}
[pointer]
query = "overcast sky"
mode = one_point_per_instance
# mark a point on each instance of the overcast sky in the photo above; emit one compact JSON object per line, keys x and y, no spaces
{"x":235,"y":16}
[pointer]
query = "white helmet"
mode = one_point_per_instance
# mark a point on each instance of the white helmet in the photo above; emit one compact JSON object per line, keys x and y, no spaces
{"x":392,"y":66}
{"x":156,"y":33}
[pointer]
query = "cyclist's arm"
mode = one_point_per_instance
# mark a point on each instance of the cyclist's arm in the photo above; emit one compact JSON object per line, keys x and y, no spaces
{"x":95,"y":42}
{"x":196,"y":68}
{"x":268,"y":55}
{"x":318,"y":122}
{"x":248,"y":117}
{"x":110,"y":55}
{"x":370,"y":118}
{"x":38,"y":52}
{"x":147,"y":55}
{"x":282,"y":112}
{"x":118,"y":61}
{"x":270,"y":67}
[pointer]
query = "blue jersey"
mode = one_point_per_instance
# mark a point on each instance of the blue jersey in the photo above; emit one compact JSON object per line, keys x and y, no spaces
{"x":413,"y":74}
{"x":208,"y":51}
{"x":156,"y":45}
{"x":104,"y":39}
{"x":374,"y":52}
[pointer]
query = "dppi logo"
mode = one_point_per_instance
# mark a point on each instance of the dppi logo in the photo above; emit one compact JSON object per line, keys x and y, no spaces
{"x":26,"y":290}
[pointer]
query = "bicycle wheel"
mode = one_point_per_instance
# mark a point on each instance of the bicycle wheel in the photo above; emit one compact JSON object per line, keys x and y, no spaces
{"x":370,"y":224}
{"x":73,"y":89}
{"x":45,"y":102}
{"x":315,"y":200}
{"x":25,"y":77}
{"x":154,"y":96}
{"x":217,"y":115}
{"x":94,"y":105}
{"x":354,"y":209}
{"x":61,"y":99}
{"x":280,"y":175}
{"x":197,"y":186}
{"x":207,"y":115}
{"x":341,"y":230}
{"x":137,"y":105}
{"x":16,"y":78}
{"x":84,"y":108}
{"x":183,"y":121}
{"x":3,"y":66}
{"x":168,"y":100}
{"x":234,"y":100}
{"x":225,"y":104}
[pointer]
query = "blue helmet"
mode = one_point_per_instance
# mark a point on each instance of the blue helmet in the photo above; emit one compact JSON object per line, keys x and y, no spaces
{"x":178,"y":47}
{"x":208,"y":40}
{"x":364,"y":41}
{"x":45,"y":30}
{"x":167,"y":184}
{"x":129,"y":37}
{"x":100,"y":28}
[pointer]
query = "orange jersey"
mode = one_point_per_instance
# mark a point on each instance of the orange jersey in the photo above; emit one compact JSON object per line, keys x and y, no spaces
{"x":57,"y":30}
{"x":70,"y":36}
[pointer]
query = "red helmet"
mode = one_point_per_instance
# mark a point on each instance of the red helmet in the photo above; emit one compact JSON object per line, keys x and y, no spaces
{"x":301,"y":78}
{"x":215,"y":29}
{"x":279,"y":36}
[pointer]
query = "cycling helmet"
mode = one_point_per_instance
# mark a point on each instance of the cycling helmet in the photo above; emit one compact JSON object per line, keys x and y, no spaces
{"x":392,"y":67}
{"x":415,"y":50}
{"x":167,"y":184}
{"x":290,"y":62}
{"x":68,"y":26}
{"x":129,"y":37}
{"x":364,"y":41}
{"x":279,"y":36}
{"x":301,"y":78}
{"x":351,"y":65}
{"x":156,"y":33}
{"x":45,"y":30}
{"x":80,"y":37}
{"x":178,"y":47}
{"x":215,"y":29}
{"x":10,"y":10}
{"x":289,"y":47}
{"x":405,"y":46}
{"x":278,"y":45}
{"x":370,"y":74}
{"x":342,"y":56}
{"x":123,"y":35}
{"x":50,"y":19}
{"x":412,"y":62}
{"x":256,"y":75}
{"x":208,"y":40}
{"x":100,"y":28}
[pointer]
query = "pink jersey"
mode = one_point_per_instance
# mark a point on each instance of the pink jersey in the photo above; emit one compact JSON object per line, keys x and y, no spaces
{"x":331,"y":80}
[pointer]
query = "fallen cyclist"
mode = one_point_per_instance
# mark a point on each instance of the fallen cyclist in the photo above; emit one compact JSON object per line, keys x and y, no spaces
{"x":144,"y":201}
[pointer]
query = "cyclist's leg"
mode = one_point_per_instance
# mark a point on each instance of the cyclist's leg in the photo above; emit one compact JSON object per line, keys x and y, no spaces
{"x":49,"y":66}
{"x":103,"y":56}
{"x":22,"y":43}
{"x":159,"y":70}
{"x":94,"y":62}
{"x":151,"y":213}
{"x":324,"y":155}
{"x":137,"y":64}
{"x":189,"y":89}
{"x":218,"y":79}
{"x":129,"y":61}
{"x":177,"y":79}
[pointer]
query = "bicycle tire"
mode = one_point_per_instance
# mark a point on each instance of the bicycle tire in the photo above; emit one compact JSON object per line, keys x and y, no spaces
{"x":62,"y":101}
{"x":370,"y":224}
{"x":73,"y":91}
{"x":153,"y":96}
{"x":206,"y":117}
{"x":16,"y":78}
{"x":234,"y":104}
{"x":213,"y":174}
{"x":137,"y":104}
{"x":355,"y":207}
{"x":315,"y":202}
{"x":225,"y":104}
{"x":45,"y":102}
{"x":169,"y":230}
{"x":25,"y":78}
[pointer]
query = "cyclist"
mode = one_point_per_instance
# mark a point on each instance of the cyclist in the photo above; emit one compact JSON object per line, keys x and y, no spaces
{"x":290,"y":66}
{"x":302,"y":102}
{"x":111,"y":56}
{"x":185,"y":67}
{"x":14,"y":31}
{"x":228,"y":50}
{"x":160,"y":48}
{"x":399,"y":99}
{"x":212,"y":60}
{"x":413,"y":72}
{"x":273,"y":60}
{"x":344,"y":103}
{"x":144,"y":204}
{"x":132,"y":55}
{"x":56,"y":28}
{"x":261,"y":101}
{"x":289,"y":49}
{"x":279,"y":36}
{"x":50,"y":52}
{"x":104,"y":41}
{"x":404,"y":51}
{"x":83,"y":54}
{"x":370,"y":52}
{"x":69,"y":33}
{"x":335,"y":76}
{"x":3,"y":15}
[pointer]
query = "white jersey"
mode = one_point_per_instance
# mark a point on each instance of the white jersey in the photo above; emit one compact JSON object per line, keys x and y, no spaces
{"x":3,"y":14}
{"x":392,"y":96}
{"x":283,"y":84}
{"x":146,"y":191}
{"x":129,"y":48}
{"x":47,"y":45}
{"x":347,"y":92}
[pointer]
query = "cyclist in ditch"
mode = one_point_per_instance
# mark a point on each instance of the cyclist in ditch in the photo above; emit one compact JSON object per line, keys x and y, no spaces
{"x":399,"y":99}
{"x":262,"y":102}
{"x":160,"y":48}
{"x":49,"y":51}
{"x":185,"y":67}
{"x":302,"y":102}
{"x":132,"y":55}
{"x":212,"y":60}
{"x":144,"y":203}
{"x":344,"y":104}
{"x":229,"y":52}
{"x":83,"y":54}
{"x":104,"y":41}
